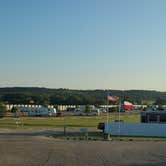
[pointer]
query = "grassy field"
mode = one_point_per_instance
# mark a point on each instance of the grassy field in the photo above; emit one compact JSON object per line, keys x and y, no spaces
{"x":72,"y":122}
{"x":61,"y":121}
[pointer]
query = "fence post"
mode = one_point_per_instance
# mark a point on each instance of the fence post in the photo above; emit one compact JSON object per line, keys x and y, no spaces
{"x":65,"y":129}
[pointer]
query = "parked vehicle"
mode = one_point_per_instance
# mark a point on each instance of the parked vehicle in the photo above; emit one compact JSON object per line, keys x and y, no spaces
{"x":93,"y":112}
{"x":43,"y":111}
{"x":101,"y":126}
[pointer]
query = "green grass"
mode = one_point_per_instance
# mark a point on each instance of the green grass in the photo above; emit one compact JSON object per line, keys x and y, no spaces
{"x":79,"y":135}
{"x":99,"y":136}
{"x":138,"y":138}
{"x":73,"y":122}
{"x":60,"y":122}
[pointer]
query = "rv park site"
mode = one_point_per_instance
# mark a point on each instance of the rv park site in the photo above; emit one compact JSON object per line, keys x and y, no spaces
{"x":115,"y":132}
{"x":75,"y":140}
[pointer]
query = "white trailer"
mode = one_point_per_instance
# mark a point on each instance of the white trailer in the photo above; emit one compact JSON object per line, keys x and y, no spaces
{"x":81,"y":111}
{"x":43,"y":111}
{"x":135,"y":129}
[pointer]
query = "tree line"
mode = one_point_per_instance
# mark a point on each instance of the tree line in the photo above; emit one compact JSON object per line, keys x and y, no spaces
{"x":45,"y":96}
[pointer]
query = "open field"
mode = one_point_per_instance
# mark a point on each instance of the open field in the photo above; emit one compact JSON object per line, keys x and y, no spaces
{"x":73,"y":121}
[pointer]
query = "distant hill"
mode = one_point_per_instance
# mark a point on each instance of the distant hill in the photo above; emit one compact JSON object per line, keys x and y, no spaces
{"x":24,"y":95}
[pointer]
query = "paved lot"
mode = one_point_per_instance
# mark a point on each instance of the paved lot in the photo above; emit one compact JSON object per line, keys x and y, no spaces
{"x":20,"y":150}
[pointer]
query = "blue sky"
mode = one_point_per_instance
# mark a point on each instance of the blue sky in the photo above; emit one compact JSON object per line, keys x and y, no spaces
{"x":83,"y":44}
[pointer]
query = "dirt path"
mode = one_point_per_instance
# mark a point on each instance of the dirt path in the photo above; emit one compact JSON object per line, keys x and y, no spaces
{"x":44,"y":151}
{"x":39,"y":131}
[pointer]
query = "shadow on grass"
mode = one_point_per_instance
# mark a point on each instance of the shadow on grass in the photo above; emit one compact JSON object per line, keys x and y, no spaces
{"x":68,"y":135}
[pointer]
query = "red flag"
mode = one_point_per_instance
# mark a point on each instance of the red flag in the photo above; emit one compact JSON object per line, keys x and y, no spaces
{"x":128,"y":105}
{"x":112,"y":98}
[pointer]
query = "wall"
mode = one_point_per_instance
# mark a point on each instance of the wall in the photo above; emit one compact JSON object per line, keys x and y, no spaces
{"x":136,"y":129}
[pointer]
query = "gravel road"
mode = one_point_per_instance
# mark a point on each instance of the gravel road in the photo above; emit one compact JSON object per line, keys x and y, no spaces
{"x":20,"y":150}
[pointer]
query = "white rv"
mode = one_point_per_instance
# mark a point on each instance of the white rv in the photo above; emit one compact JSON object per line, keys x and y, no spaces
{"x":38,"y":111}
{"x":81,"y":111}
{"x":43,"y":111}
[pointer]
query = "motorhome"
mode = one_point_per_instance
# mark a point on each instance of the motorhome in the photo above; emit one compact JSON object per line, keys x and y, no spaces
{"x":81,"y":111}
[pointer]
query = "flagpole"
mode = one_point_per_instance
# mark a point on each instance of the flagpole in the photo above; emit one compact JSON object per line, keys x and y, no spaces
{"x":119,"y":111}
{"x":119,"y":116}
{"x":113,"y":99}
{"x":107,"y":110}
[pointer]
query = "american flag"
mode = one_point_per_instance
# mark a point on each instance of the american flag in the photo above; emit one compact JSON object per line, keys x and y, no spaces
{"x":112,"y":98}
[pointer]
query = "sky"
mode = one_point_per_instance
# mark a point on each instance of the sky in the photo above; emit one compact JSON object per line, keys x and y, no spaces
{"x":83,"y":44}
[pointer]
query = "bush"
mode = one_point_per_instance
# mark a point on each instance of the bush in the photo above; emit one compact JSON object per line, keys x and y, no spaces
{"x":3,"y":110}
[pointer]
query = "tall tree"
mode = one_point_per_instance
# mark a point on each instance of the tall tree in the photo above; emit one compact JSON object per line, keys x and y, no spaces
{"x":3,"y":110}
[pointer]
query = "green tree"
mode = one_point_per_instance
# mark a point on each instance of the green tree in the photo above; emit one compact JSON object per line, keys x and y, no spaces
{"x":88,"y":109}
{"x":3,"y":110}
{"x":15,"y":111}
{"x":160,"y":101}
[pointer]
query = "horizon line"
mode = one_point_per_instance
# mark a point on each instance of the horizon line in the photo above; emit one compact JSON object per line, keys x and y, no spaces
{"x":108,"y":89}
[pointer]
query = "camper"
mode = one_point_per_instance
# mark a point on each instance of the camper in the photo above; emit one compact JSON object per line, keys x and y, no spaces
{"x":43,"y":111}
{"x":88,"y":110}
{"x":38,"y":111}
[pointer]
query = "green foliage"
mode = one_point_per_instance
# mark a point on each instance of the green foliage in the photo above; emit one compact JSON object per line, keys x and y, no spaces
{"x":44,"y":96}
{"x":114,"y":109}
{"x":160,"y":101}
{"x":3,"y":110}
{"x":87,"y":109}
{"x":14,"y":110}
